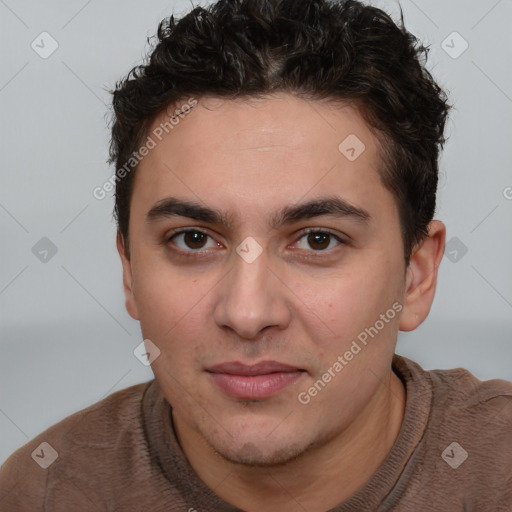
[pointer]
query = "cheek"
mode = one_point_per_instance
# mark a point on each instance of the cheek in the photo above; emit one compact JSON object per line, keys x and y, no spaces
{"x":171,"y":302}
{"x":338,"y":307}
{"x":173,"y":316}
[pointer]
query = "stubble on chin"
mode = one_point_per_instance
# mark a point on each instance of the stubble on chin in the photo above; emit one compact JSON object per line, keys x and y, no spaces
{"x":252,"y":454}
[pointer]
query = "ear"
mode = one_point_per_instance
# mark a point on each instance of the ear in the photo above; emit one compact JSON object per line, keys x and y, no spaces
{"x":129,"y":294}
{"x":421,"y":277}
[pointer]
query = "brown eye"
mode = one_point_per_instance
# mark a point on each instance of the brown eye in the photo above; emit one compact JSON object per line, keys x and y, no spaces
{"x":192,"y":240}
{"x":195,"y":239}
{"x":319,"y":241}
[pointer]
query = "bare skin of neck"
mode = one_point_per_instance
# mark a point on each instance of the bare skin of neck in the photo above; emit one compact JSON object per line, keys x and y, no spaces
{"x":318,"y":480}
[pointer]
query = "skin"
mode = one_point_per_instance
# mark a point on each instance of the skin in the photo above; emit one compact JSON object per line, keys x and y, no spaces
{"x":299,"y":302}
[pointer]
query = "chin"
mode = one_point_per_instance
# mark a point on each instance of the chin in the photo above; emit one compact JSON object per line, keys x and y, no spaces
{"x":258,"y":444}
{"x":259,"y":454}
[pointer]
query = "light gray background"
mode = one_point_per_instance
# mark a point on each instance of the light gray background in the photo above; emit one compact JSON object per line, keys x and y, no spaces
{"x":66,"y":339}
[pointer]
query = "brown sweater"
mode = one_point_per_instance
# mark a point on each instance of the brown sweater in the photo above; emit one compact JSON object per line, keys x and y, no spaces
{"x":121,"y":454}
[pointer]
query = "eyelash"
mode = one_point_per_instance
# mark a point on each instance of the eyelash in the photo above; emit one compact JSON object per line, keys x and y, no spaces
{"x":203,"y":253}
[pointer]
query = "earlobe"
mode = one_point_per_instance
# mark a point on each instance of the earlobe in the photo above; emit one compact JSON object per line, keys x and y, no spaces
{"x":421,"y":277}
{"x":128,"y":285}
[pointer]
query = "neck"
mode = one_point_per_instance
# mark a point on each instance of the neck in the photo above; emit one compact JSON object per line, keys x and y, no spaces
{"x":321,"y":478}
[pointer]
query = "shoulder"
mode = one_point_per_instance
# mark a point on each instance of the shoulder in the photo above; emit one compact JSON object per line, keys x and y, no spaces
{"x":478,"y":412}
{"x":80,"y":440}
{"x":469,"y":436}
{"x":460,"y":390}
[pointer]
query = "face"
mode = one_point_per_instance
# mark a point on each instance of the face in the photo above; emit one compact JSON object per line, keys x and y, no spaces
{"x":262,"y":254}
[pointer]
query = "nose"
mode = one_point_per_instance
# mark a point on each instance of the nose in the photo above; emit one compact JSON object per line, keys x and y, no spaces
{"x":252,"y":298}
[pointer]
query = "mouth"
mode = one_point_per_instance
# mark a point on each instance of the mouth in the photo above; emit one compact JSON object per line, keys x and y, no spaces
{"x":254,"y":382}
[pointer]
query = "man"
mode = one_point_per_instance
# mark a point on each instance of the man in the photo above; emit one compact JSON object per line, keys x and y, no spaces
{"x":276,"y":173}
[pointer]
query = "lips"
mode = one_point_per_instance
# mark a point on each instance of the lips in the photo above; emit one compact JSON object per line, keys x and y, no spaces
{"x":254,"y":382}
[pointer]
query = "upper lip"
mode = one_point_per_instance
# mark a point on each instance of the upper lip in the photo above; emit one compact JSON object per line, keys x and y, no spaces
{"x":261,"y":368}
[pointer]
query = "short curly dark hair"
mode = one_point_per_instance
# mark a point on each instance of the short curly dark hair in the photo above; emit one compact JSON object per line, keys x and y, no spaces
{"x":317,"y":49}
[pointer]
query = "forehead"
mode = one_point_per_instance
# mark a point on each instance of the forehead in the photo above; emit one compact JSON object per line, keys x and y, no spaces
{"x":270,"y":150}
{"x":278,"y":121}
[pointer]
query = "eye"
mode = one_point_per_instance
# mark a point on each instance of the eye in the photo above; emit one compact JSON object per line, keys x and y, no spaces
{"x":319,"y":241}
{"x":192,"y":240}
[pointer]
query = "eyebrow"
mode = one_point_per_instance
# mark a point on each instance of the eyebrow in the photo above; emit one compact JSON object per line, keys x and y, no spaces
{"x":332,"y":206}
{"x":172,"y":207}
